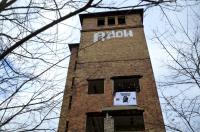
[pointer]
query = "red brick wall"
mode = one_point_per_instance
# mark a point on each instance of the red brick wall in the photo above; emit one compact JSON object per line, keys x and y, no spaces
{"x":103,"y":60}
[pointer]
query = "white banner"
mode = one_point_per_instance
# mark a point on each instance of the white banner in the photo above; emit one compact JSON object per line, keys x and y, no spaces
{"x":125,"y":98}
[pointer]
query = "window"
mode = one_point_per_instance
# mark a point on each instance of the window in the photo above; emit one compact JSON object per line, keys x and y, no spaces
{"x":73,"y":79}
{"x":96,"y":86}
{"x":100,"y":21}
{"x":66,"y":126}
{"x":75,"y":64}
{"x":95,"y":122}
{"x":129,"y":123}
{"x":121,"y":20}
{"x":125,"y":89}
{"x":70,"y":102}
{"x":111,"y":20}
{"x":126,"y":84}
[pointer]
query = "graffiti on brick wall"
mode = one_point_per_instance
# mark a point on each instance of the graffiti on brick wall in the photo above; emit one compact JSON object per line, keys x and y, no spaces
{"x":102,"y":36}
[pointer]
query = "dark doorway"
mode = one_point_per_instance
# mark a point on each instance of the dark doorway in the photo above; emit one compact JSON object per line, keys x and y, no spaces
{"x":95,"y":122}
{"x":130,"y":123}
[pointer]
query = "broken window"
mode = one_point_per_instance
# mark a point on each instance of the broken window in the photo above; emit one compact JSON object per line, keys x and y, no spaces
{"x":96,"y":86}
{"x":129,"y":123}
{"x":121,"y":20}
{"x":125,"y":89}
{"x":126,"y":84}
{"x":95,"y":122}
{"x":111,"y":20}
{"x":100,"y":21}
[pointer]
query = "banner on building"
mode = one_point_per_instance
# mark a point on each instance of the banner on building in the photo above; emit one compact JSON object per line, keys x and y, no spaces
{"x":125,"y":98}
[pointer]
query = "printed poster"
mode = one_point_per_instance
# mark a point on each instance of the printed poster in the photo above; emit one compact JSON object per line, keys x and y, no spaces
{"x":125,"y":98}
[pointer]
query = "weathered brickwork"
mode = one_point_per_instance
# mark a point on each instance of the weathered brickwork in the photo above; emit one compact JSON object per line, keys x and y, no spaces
{"x":103,"y":60}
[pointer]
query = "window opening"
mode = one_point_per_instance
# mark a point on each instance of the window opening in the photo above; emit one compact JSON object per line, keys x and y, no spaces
{"x":125,"y":89}
{"x":126,"y":84}
{"x":70,"y":102}
{"x":66,"y":126}
{"x":73,"y":79}
{"x":100,"y":21}
{"x":95,"y":123}
{"x":75,"y":65}
{"x":121,"y":20}
{"x":129,"y":123}
{"x":96,"y":86}
{"x":111,"y":20}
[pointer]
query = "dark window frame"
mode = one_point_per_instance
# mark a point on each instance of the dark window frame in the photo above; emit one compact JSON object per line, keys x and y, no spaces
{"x":70,"y":103}
{"x":126,"y":83}
{"x":121,"y":20}
{"x":75,"y":65}
{"x":134,"y":124}
{"x":73,"y":80}
{"x":93,"y":89}
{"x":66,"y":126}
{"x":111,"y":21}
{"x":100,"y":21}
{"x":90,"y":123}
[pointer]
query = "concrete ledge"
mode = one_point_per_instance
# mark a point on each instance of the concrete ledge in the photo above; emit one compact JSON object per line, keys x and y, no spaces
{"x":122,"y":108}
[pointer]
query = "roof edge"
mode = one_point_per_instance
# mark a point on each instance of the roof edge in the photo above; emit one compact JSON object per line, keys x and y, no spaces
{"x":73,"y":45}
{"x":109,"y":13}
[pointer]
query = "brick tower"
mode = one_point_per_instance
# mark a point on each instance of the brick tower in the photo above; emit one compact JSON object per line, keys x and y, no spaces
{"x":110,"y":85}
